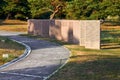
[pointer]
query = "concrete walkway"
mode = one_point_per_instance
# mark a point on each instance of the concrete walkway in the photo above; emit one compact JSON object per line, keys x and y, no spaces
{"x":44,"y":59}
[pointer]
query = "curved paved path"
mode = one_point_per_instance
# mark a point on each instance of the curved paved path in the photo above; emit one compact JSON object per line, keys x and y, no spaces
{"x":44,"y":59}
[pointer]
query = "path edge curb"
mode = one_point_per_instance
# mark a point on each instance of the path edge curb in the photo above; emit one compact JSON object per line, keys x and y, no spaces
{"x":21,"y":57}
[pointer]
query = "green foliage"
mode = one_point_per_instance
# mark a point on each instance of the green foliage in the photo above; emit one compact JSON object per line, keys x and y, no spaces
{"x":20,"y":16}
{"x":12,"y":8}
{"x":39,"y":8}
{"x":1,"y":9}
{"x":92,"y":9}
{"x":71,"y":9}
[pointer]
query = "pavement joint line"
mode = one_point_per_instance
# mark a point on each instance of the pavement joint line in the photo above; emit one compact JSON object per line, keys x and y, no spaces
{"x":20,"y":74}
{"x":24,"y":55}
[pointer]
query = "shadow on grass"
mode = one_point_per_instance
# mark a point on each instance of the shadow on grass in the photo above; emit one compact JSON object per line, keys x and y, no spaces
{"x":111,"y":23}
{"x":114,"y":47}
{"x":110,"y":39}
{"x":90,"y":67}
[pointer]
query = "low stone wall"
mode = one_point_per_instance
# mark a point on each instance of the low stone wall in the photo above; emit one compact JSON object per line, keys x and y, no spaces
{"x":83,"y":32}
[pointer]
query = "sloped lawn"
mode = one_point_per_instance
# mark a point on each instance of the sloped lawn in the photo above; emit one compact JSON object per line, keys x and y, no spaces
{"x":9,"y":50}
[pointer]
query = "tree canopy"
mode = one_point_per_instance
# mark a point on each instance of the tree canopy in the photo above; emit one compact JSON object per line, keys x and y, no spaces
{"x":59,"y":9}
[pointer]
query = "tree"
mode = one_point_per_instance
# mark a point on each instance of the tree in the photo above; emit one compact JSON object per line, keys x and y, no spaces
{"x":22,"y":9}
{"x":15,"y":7}
{"x":114,"y":8}
{"x":39,"y":8}
{"x":75,"y":9}
{"x":1,"y":8}
{"x":58,"y":6}
{"x":92,"y":9}
{"x":9,"y":8}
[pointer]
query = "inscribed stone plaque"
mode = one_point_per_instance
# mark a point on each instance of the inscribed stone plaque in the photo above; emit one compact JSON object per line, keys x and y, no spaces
{"x":92,"y":34}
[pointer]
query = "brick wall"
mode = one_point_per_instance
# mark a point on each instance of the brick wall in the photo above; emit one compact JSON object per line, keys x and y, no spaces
{"x":83,"y":32}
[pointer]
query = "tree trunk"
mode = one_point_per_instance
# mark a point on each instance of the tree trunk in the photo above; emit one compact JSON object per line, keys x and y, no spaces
{"x":8,"y":16}
{"x":57,"y":9}
{"x":52,"y":15}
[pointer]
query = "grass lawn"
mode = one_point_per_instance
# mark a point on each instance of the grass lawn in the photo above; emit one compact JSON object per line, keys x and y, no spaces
{"x":11,"y":48}
{"x":13,"y":25}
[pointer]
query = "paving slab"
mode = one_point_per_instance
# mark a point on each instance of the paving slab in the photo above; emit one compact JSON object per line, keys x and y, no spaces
{"x":44,"y":59}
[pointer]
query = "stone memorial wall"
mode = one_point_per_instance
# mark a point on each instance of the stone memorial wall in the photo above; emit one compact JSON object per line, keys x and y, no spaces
{"x":83,"y":32}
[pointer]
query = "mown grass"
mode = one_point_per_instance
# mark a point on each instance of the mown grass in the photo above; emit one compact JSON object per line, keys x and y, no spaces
{"x":11,"y":48}
{"x":13,"y":25}
{"x":89,"y":64}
